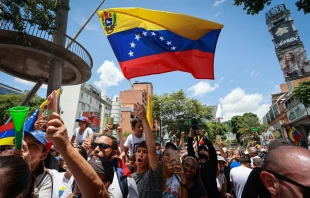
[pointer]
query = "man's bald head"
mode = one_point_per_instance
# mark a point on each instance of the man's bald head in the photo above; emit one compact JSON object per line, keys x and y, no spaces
{"x":288,"y":160}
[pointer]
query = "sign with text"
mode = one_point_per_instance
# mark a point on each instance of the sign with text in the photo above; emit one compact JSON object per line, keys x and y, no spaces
{"x":284,"y":35}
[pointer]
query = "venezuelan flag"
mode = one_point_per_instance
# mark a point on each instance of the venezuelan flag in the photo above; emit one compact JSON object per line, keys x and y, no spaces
{"x":149,"y":42}
{"x":294,"y":136}
{"x":7,"y":134}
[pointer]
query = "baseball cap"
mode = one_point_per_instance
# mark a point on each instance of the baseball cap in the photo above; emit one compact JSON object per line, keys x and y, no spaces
{"x":38,"y":135}
{"x":220,"y":158}
{"x":102,"y":166}
{"x":82,"y":119}
{"x":175,"y":147}
{"x":277,"y":143}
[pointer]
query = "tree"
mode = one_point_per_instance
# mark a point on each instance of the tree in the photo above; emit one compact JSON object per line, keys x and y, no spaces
{"x":40,"y":12}
{"x":214,"y":129}
{"x":177,"y":110}
{"x":11,"y":100}
{"x":236,"y":123}
{"x":255,"y":6}
{"x":302,"y":93}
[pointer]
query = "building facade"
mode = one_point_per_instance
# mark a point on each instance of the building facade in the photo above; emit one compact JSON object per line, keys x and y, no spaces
{"x":83,"y":99}
{"x":116,"y":110}
{"x":6,"y":89}
{"x":129,"y":98}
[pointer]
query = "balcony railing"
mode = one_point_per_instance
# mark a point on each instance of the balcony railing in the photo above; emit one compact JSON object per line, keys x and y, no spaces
{"x":33,"y":30}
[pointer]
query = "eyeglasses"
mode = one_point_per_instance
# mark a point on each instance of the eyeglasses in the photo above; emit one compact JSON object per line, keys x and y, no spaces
{"x":306,"y":189}
{"x":102,"y":146}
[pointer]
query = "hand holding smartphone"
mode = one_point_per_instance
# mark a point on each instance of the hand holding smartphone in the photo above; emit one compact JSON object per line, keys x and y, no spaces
{"x":52,"y":104}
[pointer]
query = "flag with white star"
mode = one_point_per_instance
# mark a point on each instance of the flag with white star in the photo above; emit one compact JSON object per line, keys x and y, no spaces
{"x":147,"y":42}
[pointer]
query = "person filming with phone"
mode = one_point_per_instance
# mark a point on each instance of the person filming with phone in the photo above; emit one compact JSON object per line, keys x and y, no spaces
{"x":83,"y":132}
{"x":207,"y":160}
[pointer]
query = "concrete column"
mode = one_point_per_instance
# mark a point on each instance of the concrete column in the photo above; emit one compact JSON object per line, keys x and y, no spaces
{"x":55,"y":76}
{"x":289,"y":85}
{"x":56,"y":66}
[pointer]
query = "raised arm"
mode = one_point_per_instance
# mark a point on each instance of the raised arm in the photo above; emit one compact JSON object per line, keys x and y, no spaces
{"x":149,"y":138}
{"x":212,"y":153}
{"x":190,"y":148}
{"x":85,"y":176}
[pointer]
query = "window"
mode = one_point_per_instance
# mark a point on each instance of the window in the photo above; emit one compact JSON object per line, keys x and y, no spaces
{"x":81,"y":95}
{"x":275,"y":109}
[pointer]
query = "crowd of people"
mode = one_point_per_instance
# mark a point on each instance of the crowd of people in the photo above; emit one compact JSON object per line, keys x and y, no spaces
{"x":99,"y":165}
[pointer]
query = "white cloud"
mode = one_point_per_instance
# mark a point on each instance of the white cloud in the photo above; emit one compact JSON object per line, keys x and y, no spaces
{"x":254,"y":73}
{"x":238,"y":102}
{"x":202,"y":88}
{"x":27,"y":83}
{"x":218,"y":2}
{"x":110,"y":75}
{"x":216,"y":14}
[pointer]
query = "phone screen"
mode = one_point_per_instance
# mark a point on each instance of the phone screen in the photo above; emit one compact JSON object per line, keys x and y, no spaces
{"x":174,"y":156}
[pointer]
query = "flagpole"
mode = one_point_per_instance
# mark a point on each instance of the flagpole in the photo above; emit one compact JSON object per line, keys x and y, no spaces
{"x":84,"y":25}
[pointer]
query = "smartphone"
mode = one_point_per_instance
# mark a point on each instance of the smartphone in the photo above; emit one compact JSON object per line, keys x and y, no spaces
{"x":174,"y":156}
{"x":113,"y":126}
{"x":52,"y":104}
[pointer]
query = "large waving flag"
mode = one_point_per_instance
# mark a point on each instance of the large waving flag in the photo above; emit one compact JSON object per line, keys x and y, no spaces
{"x":149,"y":42}
{"x":294,"y":136}
{"x":7,"y":134}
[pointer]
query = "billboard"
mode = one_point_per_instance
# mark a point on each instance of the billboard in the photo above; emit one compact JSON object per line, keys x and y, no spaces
{"x":294,"y":63}
{"x":284,"y":35}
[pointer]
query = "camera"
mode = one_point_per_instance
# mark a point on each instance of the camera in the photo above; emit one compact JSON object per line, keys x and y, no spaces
{"x":113,"y":126}
{"x":194,"y":125}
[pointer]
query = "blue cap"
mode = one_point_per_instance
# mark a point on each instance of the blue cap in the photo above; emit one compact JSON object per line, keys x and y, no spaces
{"x":38,"y":135}
{"x":82,"y":119}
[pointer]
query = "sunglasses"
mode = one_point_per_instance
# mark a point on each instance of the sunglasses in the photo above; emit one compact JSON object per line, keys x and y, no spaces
{"x":102,"y":146}
{"x":306,"y":189}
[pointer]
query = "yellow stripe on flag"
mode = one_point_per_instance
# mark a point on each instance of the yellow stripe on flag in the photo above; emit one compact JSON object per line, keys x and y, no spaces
{"x":7,"y":141}
{"x":181,"y":24}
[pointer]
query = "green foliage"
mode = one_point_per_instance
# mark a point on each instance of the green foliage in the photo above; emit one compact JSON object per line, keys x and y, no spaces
{"x":11,"y":100}
{"x":177,"y":110}
{"x":214,"y":129}
{"x":302,"y":93}
{"x":41,"y":12}
{"x":255,"y":6}
{"x":236,"y":123}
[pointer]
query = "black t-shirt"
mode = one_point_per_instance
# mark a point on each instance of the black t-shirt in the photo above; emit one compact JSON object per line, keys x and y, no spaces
{"x":254,"y":186}
{"x":197,"y":191}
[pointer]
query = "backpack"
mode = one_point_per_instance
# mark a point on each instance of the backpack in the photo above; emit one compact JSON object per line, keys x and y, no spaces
{"x":122,"y":180}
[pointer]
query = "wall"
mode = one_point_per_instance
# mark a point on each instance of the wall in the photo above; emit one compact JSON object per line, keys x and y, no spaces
{"x":295,"y":83}
{"x":125,"y":121}
{"x":116,"y":111}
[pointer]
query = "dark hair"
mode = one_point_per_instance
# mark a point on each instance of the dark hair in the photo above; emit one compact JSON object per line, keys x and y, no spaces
{"x":244,"y":159}
{"x":114,"y":140}
{"x":134,"y":122}
{"x":142,"y":145}
{"x":18,"y":177}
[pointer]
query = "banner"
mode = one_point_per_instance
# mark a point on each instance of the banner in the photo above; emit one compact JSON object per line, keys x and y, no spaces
{"x":294,"y":63}
{"x":284,"y":35}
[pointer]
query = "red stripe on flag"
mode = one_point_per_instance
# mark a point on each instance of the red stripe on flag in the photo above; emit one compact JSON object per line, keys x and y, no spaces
{"x":7,"y":127}
{"x":199,"y":64}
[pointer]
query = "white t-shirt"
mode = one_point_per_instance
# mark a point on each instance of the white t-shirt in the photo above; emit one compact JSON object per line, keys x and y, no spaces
{"x":60,"y":183}
{"x":238,"y":176}
{"x":132,"y":142}
{"x":171,"y":187}
{"x":115,"y":189}
{"x":81,"y":138}
{"x":220,"y":181}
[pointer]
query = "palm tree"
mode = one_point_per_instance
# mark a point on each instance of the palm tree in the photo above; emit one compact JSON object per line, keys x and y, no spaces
{"x":248,"y":132}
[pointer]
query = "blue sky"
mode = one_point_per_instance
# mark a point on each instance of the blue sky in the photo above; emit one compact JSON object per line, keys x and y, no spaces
{"x":246,"y":67}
